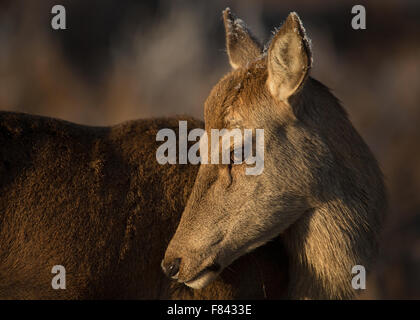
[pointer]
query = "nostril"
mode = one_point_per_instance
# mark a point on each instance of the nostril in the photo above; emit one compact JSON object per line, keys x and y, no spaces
{"x":172,"y":268}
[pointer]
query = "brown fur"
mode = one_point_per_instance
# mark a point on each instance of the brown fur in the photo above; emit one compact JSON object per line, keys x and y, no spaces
{"x":95,"y":200}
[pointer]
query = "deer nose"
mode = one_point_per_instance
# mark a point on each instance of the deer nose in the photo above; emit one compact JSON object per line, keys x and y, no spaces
{"x":171,"y":268}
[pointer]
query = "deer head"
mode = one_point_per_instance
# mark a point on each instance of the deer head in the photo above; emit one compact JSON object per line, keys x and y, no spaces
{"x":320,"y":188}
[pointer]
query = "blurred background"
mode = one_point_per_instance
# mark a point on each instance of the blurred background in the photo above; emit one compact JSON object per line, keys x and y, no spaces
{"x":121,"y":60}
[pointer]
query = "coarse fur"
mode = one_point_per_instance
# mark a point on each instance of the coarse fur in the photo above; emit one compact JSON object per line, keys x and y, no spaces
{"x":95,"y":200}
{"x":321,"y":188}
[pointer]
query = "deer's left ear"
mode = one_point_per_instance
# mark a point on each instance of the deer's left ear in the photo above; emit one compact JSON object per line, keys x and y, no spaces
{"x":242,"y":47}
{"x":289,"y":59}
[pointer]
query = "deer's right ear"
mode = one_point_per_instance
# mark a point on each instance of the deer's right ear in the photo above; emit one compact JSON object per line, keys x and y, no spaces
{"x":289,"y":59}
{"x":242,"y":46}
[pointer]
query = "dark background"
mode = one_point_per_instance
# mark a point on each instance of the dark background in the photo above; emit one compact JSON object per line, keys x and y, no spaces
{"x":121,"y":60}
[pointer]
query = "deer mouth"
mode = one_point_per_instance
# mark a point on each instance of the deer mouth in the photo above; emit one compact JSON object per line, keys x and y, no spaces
{"x":204,"y":277}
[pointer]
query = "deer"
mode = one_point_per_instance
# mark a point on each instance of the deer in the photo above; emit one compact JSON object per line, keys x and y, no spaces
{"x":321,"y":191}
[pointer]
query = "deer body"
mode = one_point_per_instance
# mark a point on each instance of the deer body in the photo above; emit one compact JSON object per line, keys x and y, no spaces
{"x":95,"y":200}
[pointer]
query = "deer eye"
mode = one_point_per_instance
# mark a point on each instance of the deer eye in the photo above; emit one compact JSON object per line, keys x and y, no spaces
{"x":237,"y":154}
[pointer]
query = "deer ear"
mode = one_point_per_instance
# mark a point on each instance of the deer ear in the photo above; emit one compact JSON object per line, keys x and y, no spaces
{"x":242,"y":46}
{"x":289,"y":58}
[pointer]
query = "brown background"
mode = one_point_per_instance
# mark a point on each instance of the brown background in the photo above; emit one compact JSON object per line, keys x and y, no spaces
{"x":121,"y":60}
